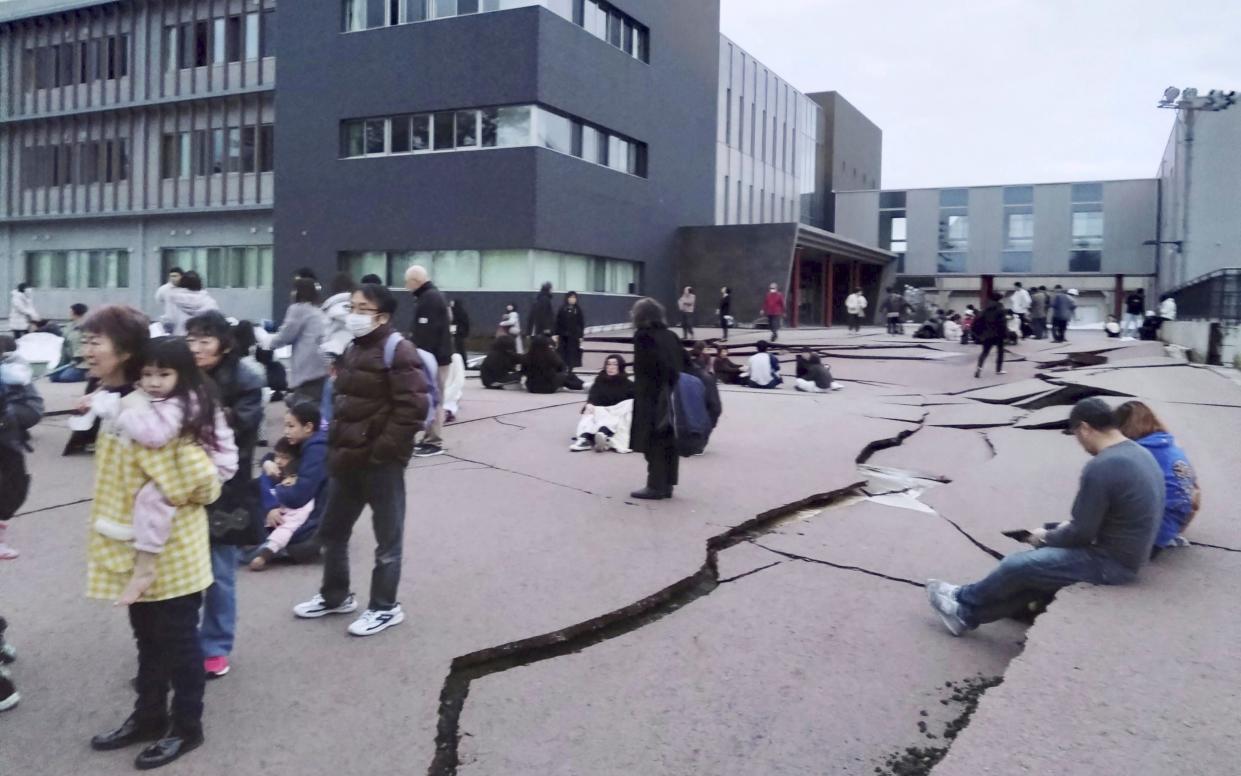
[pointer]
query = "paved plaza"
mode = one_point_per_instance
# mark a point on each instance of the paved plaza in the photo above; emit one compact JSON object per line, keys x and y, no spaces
{"x":768,"y":620}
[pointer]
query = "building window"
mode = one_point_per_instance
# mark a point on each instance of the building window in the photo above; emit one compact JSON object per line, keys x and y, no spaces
{"x":221,"y":40}
{"x":217,"y":150}
{"x":954,"y":230}
{"x":78,"y":269}
{"x":477,"y":128}
{"x":1018,"y":229}
{"x":80,"y":62}
{"x":894,"y":225}
{"x":499,"y":270}
{"x":1087,"y":252}
{"x":244,"y":266}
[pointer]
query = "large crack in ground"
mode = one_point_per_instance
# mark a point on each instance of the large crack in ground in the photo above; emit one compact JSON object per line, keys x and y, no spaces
{"x":465,"y":669}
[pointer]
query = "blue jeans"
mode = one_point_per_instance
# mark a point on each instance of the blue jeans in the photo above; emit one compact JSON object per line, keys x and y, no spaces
{"x":1029,"y":575}
{"x":219,"y":623}
{"x":70,"y":374}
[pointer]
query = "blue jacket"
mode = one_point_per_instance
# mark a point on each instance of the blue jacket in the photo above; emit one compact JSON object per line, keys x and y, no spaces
{"x":311,"y":483}
{"x":1180,"y":482}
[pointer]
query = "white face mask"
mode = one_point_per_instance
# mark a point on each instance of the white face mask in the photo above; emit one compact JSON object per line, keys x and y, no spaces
{"x":359,"y":325}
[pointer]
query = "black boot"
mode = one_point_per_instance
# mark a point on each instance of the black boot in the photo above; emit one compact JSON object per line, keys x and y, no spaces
{"x":132,"y":731}
{"x":650,"y":494}
{"x":178,"y":741}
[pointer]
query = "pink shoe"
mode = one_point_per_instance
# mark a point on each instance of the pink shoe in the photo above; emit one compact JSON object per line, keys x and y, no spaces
{"x":215,"y":667}
{"x":7,"y":552}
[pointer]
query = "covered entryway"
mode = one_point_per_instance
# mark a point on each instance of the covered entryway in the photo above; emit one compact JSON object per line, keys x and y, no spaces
{"x":827,"y":269}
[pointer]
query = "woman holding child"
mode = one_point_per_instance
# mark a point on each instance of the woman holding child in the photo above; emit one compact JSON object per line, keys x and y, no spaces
{"x":165,"y":587}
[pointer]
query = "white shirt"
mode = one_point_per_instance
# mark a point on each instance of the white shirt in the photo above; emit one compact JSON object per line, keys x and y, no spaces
{"x":1167,"y":309}
{"x":760,"y":368}
{"x":855,"y":304}
{"x":1021,"y":301}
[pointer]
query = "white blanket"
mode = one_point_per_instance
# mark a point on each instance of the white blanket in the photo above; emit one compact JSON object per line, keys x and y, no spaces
{"x":618,"y":418}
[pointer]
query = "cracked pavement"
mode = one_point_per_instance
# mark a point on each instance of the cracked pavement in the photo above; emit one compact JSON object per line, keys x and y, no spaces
{"x":767,"y":620}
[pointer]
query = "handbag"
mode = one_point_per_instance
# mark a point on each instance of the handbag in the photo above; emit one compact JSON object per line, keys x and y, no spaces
{"x":236,"y":518}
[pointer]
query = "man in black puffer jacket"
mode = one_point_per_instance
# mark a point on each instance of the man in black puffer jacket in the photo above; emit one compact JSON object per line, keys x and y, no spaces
{"x":432,"y":332}
{"x":380,"y":401}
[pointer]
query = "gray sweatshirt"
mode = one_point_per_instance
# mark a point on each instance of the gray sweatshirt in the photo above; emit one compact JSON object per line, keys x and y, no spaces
{"x":303,"y":328}
{"x":1118,"y":508}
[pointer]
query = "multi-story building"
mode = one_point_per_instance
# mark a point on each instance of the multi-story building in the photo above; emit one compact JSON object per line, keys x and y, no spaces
{"x":958,"y":243}
{"x":133,"y":137}
{"x":500,"y":143}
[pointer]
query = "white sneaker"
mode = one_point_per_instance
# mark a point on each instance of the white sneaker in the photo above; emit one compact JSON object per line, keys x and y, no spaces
{"x":943,"y":600}
{"x":317,"y":607}
{"x":838,"y":386}
{"x":580,"y":446}
{"x":373,"y":621}
{"x":8,"y":553}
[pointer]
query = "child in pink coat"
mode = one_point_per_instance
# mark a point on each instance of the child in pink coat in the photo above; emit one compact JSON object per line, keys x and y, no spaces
{"x":283,"y":521}
{"x":172,"y":400}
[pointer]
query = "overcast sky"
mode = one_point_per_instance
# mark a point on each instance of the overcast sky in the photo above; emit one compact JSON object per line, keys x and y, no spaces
{"x":1001,"y":91}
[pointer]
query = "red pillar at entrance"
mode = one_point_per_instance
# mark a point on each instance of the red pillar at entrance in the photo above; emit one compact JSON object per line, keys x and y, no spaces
{"x":794,"y":289}
{"x":829,"y":289}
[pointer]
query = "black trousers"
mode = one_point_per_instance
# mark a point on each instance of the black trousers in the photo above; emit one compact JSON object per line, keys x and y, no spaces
{"x":894,"y":324}
{"x":724,"y":326}
{"x":687,"y":325}
{"x":662,"y":462}
{"x":999,"y":354}
{"x":14,"y":481}
{"x":855,"y":322}
{"x":1059,"y":329}
{"x":169,"y":656}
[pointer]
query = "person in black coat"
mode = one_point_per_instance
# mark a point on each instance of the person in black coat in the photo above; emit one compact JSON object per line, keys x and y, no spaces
{"x":460,"y":326}
{"x":545,"y":371}
{"x":657,"y":360}
{"x":990,"y":329}
{"x":570,"y":328}
{"x":542,"y":316}
{"x":726,"y":310}
{"x":501,"y":367}
{"x":432,"y":332}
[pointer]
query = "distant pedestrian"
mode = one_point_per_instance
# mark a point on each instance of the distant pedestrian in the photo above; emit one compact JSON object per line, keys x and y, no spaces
{"x":763,"y":368}
{"x":460,"y":326}
{"x":658,"y":357}
{"x":303,"y":330}
{"x":570,"y":328}
{"x":725,"y":311}
{"x":1167,"y":308}
{"x":855,"y":305}
{"x":510,"y":324}
{"x":1115,"y":518}
{"x":1063,"y":306}
{"x":1039,"y":302}
{"x":542,"y":316}
{"x":1021,"y":302}
{"x":380,"y":403}
{"x":773,"y":308}
{"x":1135,"y":313}
{"x":163,"y":295}
{"x":991,"y":329}
{"x":22,"y":311}
{"x":894,"y":305}
{"x":685,"y":305}
{"x":185,"y":301}
{"x":72,"y":367}
{"x":431,"y":332}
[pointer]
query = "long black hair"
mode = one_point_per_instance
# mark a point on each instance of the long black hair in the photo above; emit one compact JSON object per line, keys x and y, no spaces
{"x":620,"y":363}
{"x":197,"y":392}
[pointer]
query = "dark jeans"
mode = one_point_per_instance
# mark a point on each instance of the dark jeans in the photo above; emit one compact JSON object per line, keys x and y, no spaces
{"x":14,"y":482}
{"x":855,"y":322}
{"x":1059,"y":329}
{"x":382,"y":488}
{"x":894,"y":324}
{"x":1040,"y":327}
{"x":724,"y":326}
{"x":773,"y":323}
{"x":169,"y":656}
{"x":687,"y":325}
{"x":999,"y":354}
{"x":662,"y":463}
{"x":1022,"y":577}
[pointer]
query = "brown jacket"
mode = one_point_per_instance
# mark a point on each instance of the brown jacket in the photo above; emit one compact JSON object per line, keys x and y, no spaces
{"x":376,"y":411}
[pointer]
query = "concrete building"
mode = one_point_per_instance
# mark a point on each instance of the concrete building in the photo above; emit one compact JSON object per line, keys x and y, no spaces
{"x":501,"y":143}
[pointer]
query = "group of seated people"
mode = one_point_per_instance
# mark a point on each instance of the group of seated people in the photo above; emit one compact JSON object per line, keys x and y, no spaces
{"x":948,"y":324}
{"x":762,"y":370}
{"x":542,"y":368}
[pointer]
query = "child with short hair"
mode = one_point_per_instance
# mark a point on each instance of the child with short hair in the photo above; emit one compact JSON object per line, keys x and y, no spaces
{"x":173,"y":400}
{"x":282,"y":521}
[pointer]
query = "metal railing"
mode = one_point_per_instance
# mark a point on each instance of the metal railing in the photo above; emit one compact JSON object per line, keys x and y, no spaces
{"x":1215,"y":296}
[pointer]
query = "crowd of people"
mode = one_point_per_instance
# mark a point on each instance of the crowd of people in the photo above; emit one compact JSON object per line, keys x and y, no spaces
{"x":176,"y":412}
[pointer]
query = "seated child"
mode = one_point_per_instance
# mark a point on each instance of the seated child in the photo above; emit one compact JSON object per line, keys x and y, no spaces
{"x":282,"y":521}
{"x":172,"y":400}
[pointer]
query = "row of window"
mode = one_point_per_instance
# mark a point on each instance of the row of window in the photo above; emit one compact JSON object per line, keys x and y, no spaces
{"x":244,"y":266}
{"x":78,"y":269}
{"x":499,"y":270}
{"x":596,"y":17}
{"x":763,"y":207}
{"x":76,"y":62}
{"x":217,"y":41}
{"x":220,"y":150}
{"x":507,"y":127}
{"x":91,"y":161}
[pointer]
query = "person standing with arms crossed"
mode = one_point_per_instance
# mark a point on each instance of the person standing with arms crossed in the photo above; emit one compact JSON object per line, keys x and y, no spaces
{"x":856,"y":307}
{"x":773,"y":308}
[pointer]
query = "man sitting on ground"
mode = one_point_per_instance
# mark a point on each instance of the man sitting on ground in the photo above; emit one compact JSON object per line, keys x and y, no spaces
{"x":1116,"y":515}
{"x":764,"y":368}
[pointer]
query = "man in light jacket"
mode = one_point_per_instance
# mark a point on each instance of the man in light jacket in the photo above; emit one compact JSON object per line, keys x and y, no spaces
{"x":21,"y":310}
{"x":855,"y":304}
{"x":1021,"y":305}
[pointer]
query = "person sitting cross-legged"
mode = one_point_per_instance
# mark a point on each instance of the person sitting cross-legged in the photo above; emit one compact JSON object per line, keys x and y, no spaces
{"x":1116,"y":515}
{"x":764,"y":368}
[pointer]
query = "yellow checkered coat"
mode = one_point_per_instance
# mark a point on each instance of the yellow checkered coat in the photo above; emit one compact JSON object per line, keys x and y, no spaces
{"x":185,"y":475}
